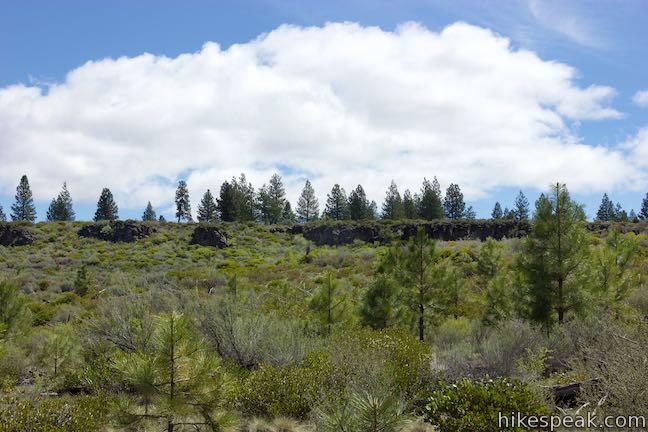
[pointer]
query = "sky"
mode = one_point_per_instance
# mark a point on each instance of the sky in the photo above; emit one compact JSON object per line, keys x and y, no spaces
{"x":496,"y":96}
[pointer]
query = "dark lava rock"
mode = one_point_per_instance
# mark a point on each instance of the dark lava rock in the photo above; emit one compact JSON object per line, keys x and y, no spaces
{"x":339,"y":234}
{"x":117,"y":231}
{"x":209,"y":236}
{"x":14,"y":236}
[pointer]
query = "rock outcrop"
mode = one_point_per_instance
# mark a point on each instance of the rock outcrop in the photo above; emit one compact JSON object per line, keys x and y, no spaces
{"x":14,"y":236}
{"x":117,"y":231}
{"x":340,"y":233}
{"x":209,"y":236}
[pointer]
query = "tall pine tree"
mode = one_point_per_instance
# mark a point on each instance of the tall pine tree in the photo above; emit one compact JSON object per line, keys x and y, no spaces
{"x":497,"y":211}
{"x":521,"y":207}
{"x":149,"y":213}
{"x":429,"y":202}
{"x":3,"y":216}
{"x":392,"y":208}
{"x":244,"y":199}
{"x":23,"y":209}
{"x":643,"y":213}
{"x":272,"y":200}
{"x":288,"y":215}
{"x":359,"y":206}
{"x":453,"y":203}
{"x":60,"y":208}
{"x":207,"y":210}
{"x":227,"y":202}
{"x":183,"y":207}
{"x":606,"y":211}
{"x":106,"y":207}
{"x":337,"y":206}
{"x":307,"y":204}
{"x":409,"y":206}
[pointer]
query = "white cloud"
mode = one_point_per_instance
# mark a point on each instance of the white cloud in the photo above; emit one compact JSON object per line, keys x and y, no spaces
{"x":559,"y":16}
{"x":340,"y":103}
{"x":641,"y":98}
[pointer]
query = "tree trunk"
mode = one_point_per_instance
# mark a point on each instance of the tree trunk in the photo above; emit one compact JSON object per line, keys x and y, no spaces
{"x":421,"y":323}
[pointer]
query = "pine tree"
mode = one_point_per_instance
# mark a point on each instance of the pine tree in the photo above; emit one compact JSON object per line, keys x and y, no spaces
{"x":643,"y":213}
{"x":23,"y":209}
{"x":497,"y":211}
{"x":620,"y":215}
{"x":392,"y":208}
{"x":373,"y":210}
{"x":245,"y":204}
{"x":470,"y":213}
{"x":378,"y":307}
{"x":272,"y":200}
{"x":60,"y":208}
{"x":3,"y":216}
{"x":606,"y":211}
{"x":337,"y":206}
{"x":521,"y":210}
{"x":178,"y":383}
{"x":207,"y":210}
{"x":106,"y":207}
{"x":307,"y":204}
{"x":227,"y":202}
{"x":15,"y":316}
{"x":149,"y":213}
{"x":429,"y":202}
{"x":328,"y":304}
{"x":287,"y":215}
{"x":409,"y":207}
{"x":83,"y":282}
{"x":183,"y":206}
{"x":633,"y":216}
{"x":359,"y":206}
{"x":552,"y":256}
{"x":454,"y":204}
{"x":162,"y":218}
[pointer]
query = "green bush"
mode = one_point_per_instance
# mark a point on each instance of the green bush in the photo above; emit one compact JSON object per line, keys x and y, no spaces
{"x":64,"y":414}
{"x":290,"y":391}
{"x":474,"y":406}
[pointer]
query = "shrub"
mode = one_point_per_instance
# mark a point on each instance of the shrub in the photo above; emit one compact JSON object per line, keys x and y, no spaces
{"x":474,"y":406}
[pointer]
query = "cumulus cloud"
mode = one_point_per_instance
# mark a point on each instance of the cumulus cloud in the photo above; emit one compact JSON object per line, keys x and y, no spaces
{"x":641,"y":98}
{"x":340,"y":103}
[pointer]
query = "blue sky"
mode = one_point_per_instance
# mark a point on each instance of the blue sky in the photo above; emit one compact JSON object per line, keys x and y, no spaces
{"x":41,"y":42}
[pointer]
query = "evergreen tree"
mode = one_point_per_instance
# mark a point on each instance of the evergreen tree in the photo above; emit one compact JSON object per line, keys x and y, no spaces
{"x":178,"y":383}
{"x":245,"y":203}
{"x":409,"y":207}
{"x":454,"y":204}
{"x":373,"y":210}
{"x":620,"y":215}
{"x":378,"y":307}
{"x":414,"y":266}
{"x":3,"y":216}
{"x":327,"y":303}
{"x":162,"y":218}
{"x":15,"y":316}
{"x":521,"y":210}
{"x":60,"y":208}
{"x":287,"y":215}
{"x":83,"y":282}
{"x":23,"y":209}
{"x":183,"y":206}
{"x":392,"y":208}
{"x":58,"y":350}
{"x":106,"y":207}
{"x":359,"y":206}
{"x":606,"y":211}
{"x":633,"y":216}
{"x":272,"y":200}
{"x":497,"y":211}
{"x":509,"y":214}
{"x":307,"y":204}
{"x":337,"y":206}
{"x":553,"y":255}
{"x":227,"y":202}
{"x":643,"y":213}
{"x":470,"y":213}
{"x":436,"y":188}
{"x":207,"y":210}
{"x":429,"y":202}
{"x":149,"y":213}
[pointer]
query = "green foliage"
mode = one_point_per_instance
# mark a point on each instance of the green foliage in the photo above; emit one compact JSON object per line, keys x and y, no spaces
{"x":337,"y":206}
{"x":290,"y":391}
{"x":521,"y":210}
{"x":328,"y":304}
{"x":272,"y":200}
{"x":177,"y":382}
{"x":106,"y":207}
{"x":60,"y":208}
{"x":307,"y":204}
{"x":474,"y":406}
{"x":207,"y":210}
{"x":183,"y":206}
{"x":83,"y":282}
{"x":497,"y":212}
{"x":149,"y":213}
{"x":643,"y":213}
{"x":23,"y":209}
{"x":53,"y":414}
{"x":453,"y":204}
{"x":15,"y":317}
{"x":59,"y":352}
{"x":3,"y":216}
{"x":359,"y":205}
{"x":378,"y":307}
{"x":429,"y":203}
{"x":606,"y":212}
{"x":392,"y":208}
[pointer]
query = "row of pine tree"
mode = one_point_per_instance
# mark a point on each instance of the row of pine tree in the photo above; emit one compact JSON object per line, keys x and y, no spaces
{"x":239,"y":201}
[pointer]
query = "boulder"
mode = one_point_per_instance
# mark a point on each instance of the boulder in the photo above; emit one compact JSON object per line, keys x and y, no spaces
{"x":209,"y":236}
{"x":117,"y":231}
{"x":14,"y":236}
